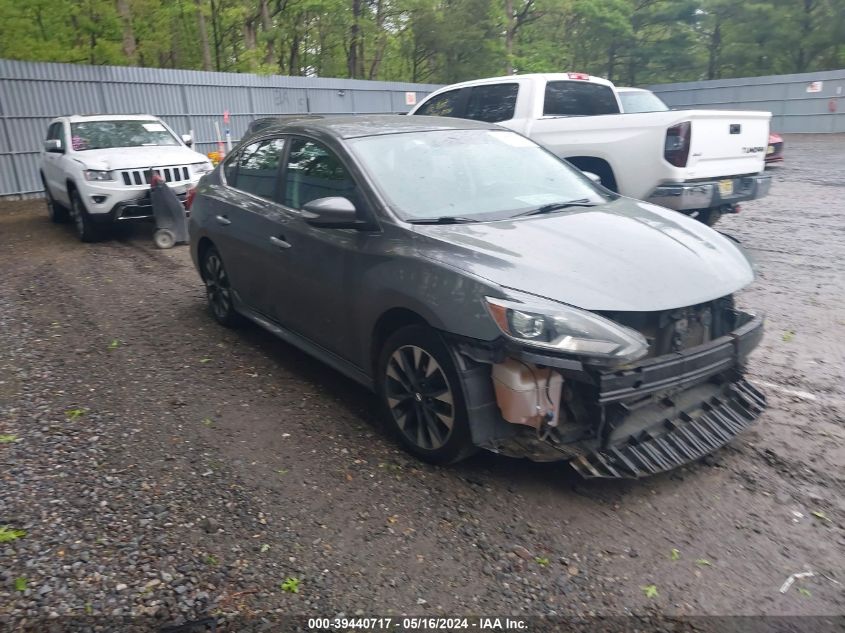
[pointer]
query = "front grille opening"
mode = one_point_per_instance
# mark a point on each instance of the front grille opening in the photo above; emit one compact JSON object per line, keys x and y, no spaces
{"x":680,"y":328}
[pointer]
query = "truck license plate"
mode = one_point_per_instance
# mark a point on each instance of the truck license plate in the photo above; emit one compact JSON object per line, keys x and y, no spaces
{"x":726,"y":187}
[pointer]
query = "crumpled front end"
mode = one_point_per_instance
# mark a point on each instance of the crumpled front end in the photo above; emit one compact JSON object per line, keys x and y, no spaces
{"x":683,"y":401}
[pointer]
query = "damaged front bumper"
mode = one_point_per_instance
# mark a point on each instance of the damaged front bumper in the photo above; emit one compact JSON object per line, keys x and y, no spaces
{"x":631,"y":421}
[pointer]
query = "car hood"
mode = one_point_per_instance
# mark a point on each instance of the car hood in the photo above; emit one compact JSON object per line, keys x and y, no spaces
{"x":138,"y":157}
{"x":622,"y":256}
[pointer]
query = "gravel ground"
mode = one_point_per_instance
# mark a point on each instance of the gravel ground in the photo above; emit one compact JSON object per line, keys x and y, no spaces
{"x":162,"y":466}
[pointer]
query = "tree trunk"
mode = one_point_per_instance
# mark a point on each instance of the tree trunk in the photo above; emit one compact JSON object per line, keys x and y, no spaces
{"x":510,"y":31}
{"x":267,"y":27}
{"x":713,"y":51}
{"x":352,"y":55}
{"x":294,"y":65}
{"x":203,"y":33}
{"x":130,"y":46}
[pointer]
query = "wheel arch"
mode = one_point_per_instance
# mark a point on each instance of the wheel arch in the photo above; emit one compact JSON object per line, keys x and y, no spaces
{"x":389,"y":322}
{"x":598,"y":166}
{"x":203,"y":245}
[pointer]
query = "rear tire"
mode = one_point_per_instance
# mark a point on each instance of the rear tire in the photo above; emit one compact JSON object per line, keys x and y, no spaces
{"x":421,"y":396}
{"x":85,"y":228}
{"x":217,"y":288}
{"x":57,"y":213}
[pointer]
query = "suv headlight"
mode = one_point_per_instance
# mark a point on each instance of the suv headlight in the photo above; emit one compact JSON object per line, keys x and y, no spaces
{"x":203,"y":168}
{"x":94,"y":174}
{"x":562,"y":328}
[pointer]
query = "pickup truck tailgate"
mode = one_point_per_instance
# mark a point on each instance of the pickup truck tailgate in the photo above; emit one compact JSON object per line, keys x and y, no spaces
{"x":727,"y":143}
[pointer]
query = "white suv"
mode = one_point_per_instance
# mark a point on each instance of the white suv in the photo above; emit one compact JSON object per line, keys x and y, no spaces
{"x":96,"y":169}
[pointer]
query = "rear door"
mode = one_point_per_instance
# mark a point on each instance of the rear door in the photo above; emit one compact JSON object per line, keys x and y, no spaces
{"x":727,"y":143}
{"x":246,"y":217}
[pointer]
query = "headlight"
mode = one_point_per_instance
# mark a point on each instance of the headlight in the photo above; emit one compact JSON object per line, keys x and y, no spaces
{"x":203,"y":168}
{"x":93,"y":174}
{"x":562,"y":328}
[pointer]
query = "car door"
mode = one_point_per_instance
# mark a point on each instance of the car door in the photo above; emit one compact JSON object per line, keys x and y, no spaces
{"x":244,"y":219}
{"x":51,"y":165}
{"x":320,"y":267}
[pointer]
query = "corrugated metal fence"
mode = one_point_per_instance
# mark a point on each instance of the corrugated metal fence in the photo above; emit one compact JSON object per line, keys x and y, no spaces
{"x":802,"y":103}
{"x":31,"y":93}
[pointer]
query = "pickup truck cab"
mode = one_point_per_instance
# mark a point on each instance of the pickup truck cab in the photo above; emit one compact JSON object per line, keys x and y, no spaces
{"x":699,"y":162}
{"x":96,"y":169}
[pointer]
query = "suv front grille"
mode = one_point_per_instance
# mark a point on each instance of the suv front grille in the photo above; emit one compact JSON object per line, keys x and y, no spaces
{"x":178,"y":173}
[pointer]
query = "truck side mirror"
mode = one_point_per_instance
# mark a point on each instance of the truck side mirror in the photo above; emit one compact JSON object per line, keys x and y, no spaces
{"x":188,"y":140}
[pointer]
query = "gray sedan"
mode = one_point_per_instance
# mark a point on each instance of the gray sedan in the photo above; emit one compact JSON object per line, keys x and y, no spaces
{"x":489,"y":293}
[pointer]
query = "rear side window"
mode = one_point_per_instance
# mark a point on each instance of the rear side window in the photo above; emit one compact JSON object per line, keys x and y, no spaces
{"x":258,"y":167}
{"x":315,"y":172}
{"x":579,"y":98}
{"x":493,"y":103}
{"x":445,"y":104}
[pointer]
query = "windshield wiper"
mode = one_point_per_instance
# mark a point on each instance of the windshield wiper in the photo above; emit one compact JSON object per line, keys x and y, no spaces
{"x":444,"y":219}
{"x":557,"y":206}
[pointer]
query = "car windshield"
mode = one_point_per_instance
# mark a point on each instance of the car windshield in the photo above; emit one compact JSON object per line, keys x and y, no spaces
{"x":634,"y":101}
{"x":86,"y":135}
{"x":471,"y":174}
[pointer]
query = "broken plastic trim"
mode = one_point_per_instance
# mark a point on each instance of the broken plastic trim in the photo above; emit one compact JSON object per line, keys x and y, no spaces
{"x":686,"y":439}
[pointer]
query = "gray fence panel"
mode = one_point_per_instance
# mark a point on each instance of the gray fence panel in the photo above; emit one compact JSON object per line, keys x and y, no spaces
{"x":32,"y":93}
{"x":793,"y":108}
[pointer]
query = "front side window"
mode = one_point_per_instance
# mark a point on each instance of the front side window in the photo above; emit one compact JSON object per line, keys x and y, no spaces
{"x":88,"y":135}
{"x":258,"y":167}
{"x":54,"y":133}
{"x":470,"y":174}
{"x":493,"y":103}
{"x":579,"y":98}
{"x":445,"y":104}
{"x":315,"y":172}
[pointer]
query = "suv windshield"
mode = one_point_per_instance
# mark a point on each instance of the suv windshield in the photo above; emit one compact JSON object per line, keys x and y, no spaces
{"x":470,"y":174}
{"x":634,"y":101}
{"x":86,"y":135}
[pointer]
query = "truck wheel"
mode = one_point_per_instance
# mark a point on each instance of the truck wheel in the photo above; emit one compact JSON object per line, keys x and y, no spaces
{"x":85,"y":228}
{"x":709,"y":216}
{"x":421,"y":397}
{"x":56,"y":212}
{"x":164,"y":238}
{"x":217,"y":288}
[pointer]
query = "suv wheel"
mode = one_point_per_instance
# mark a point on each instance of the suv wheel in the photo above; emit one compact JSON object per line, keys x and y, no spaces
{"x":421,"y":395}
{"x":56,"y":212}
{"x":85,"y":228}
{"x":217,"y":288}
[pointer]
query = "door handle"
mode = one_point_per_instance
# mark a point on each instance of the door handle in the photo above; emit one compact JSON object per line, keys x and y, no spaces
{"x":222,"y":219}
{"x":280,"y":241}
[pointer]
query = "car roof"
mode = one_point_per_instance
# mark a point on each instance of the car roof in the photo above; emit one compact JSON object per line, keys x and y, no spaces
{"x":347,"y":127}
{"x":630,"y":89}
{"x":76,"y":118}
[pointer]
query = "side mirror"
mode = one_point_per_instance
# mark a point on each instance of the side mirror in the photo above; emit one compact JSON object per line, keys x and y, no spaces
{"x":54,"y":145}
{"x":594,"y":177}
{"x":187,"y":140}
{"x":332,"y":213}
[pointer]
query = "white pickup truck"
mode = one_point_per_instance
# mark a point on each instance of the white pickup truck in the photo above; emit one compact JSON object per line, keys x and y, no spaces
{"x":699,"y":162}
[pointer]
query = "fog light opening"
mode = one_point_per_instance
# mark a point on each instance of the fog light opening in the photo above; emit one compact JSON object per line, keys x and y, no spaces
{"x":99,"y":199}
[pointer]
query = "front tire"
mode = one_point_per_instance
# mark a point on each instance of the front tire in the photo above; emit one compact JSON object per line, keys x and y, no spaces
{"x":217,"y":288}
{"x":421,"y":395}
{"x":85,"y":228}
